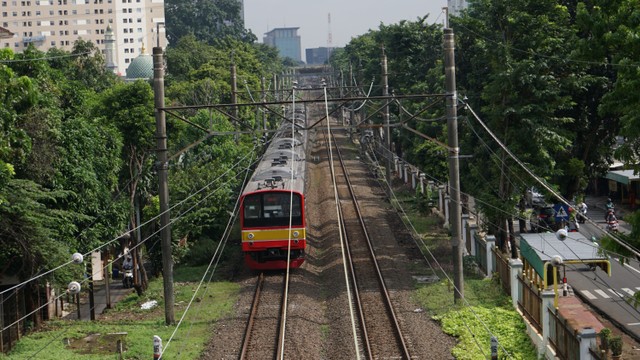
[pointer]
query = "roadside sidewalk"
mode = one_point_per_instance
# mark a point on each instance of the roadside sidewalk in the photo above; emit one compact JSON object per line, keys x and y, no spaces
{"x":116,"y":291}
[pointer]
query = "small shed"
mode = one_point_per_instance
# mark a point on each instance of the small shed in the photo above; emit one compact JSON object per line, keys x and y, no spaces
{"x":538,"y":249}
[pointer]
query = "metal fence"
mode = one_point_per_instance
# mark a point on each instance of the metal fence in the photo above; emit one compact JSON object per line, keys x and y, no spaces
{"x":481,"y":255}
{"x":503,"y":269}
{"x":563,"y":338}
{"x":530,"y":302}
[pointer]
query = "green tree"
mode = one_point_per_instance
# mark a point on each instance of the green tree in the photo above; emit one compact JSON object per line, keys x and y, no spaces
{"x":129,"y":108}
{"x":515,"y":76}
{"x":208,"y":21}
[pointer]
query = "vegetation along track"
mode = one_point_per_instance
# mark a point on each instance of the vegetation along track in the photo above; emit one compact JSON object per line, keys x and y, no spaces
{"x":381,"y":335}
{"x":261,"y":340}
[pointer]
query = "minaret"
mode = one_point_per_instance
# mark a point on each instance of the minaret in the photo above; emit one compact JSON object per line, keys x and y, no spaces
{"x":109,"y":49}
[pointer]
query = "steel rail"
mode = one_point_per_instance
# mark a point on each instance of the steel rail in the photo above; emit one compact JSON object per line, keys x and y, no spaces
{"x":380,"y":277}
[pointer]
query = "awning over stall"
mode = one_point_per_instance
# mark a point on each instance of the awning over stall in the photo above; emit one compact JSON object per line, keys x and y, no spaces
{"x":622,"y":176}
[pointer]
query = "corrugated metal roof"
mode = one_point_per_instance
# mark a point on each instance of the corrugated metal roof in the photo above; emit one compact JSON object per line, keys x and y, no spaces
{"x":538,"y":248}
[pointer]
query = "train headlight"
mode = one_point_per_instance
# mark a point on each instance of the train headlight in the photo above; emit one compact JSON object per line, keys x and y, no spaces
{"x":250,"y":236}
{"x":296,"y":233}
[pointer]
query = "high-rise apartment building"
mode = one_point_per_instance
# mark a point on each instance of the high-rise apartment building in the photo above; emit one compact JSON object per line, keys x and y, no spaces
{"x":59,"y":23}
{"x":456,"y":6}
{"x":286,"y":40}
{"x":319,"y":55}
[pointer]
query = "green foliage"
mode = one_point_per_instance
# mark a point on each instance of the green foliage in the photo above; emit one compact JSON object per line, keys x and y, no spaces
{"x":605,"y":336}
{"x":486,"y":307}
{"x":470,"y":325}
{"x":215,"y":300}
{"x":208,"y":21}
{"x":615,"y":344}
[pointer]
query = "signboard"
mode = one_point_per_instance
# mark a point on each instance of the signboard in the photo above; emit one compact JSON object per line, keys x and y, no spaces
{"x":561,"y":212}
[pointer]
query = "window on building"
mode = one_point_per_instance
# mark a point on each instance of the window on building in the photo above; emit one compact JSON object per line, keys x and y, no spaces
{"x":37,"y":12}
{"x":4,"y":15}
{"x":126,"y":61}
{"x":53,"y":43}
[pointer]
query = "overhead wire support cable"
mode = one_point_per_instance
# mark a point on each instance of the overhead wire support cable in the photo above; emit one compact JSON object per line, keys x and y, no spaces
{"x":540,"y":181}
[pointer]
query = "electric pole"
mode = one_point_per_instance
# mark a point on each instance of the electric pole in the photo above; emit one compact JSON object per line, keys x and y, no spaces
{"x":385,"y":93}
{"x":454,"y":169}
{"x":162,"y":167}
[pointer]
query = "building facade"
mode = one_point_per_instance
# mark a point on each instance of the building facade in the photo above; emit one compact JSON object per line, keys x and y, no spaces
{"x":59,"y":23}
{"x":286,"y":40}
{"x":319,"y":55}
{"x":456,"y":6}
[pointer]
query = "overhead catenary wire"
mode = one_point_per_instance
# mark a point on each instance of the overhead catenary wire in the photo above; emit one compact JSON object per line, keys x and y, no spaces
{"x":96,"y":271}
{"x":115,"y":239}
{"x":425,"y":247}
{"x":340,"y":230}
{"x":586,"y":242}
{"x":137,"y":245}
{"x":215,"y":256}
{"x":538,"y":180}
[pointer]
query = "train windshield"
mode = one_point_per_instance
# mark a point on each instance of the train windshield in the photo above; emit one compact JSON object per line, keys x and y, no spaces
{"x":272,"y":209}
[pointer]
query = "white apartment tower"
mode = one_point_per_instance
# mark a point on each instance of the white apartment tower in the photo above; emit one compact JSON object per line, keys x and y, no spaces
{"x":124,"y":26}
{"x":456,"y":6}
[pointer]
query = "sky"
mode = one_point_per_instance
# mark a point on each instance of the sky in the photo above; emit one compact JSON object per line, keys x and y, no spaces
{"x":349,"y":18}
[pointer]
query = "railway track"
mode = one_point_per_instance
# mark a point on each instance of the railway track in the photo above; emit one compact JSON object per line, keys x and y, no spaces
{"x":380,"y":332}
{"x":264,"y":335}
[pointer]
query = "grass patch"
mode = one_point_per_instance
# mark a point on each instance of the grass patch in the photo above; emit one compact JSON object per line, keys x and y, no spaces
{"x":212,"y":302}
{"x":486,"y":307}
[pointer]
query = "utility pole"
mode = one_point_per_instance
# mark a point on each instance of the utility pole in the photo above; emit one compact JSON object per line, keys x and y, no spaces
{"x":275,"y":87}
{"x":162,"y":167}
{"x":385,"y":93}
{"x":454,"y":169}
{"x":234,"y":94}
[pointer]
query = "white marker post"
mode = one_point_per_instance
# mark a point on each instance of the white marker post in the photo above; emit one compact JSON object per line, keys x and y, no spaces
{"x":494,"y":348}
{"x":157,"y":347}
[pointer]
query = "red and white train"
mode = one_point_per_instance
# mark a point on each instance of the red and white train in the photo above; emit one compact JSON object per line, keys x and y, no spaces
{"x":272,"y":208}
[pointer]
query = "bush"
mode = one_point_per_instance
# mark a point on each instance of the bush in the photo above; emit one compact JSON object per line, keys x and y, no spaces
{"x":615,"y":344}
{"x":605,"y":335}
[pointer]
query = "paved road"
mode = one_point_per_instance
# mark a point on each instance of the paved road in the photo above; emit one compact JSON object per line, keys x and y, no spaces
{"x":609,"y":295}
{"x":116,"y":291}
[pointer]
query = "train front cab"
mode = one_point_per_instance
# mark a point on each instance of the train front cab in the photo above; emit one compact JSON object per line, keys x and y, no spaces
{"x":265,"y":220}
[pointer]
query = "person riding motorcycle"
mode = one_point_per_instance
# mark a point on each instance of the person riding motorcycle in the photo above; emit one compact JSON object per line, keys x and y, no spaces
{"x":609,"y":208}
{"x":582,"y":212}
{"x":612,"y":223}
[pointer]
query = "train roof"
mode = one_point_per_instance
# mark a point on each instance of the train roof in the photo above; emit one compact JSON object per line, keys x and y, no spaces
{"x":283,"y":164}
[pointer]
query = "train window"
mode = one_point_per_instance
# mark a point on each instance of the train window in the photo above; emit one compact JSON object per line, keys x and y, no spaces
{"x":272,"y":209}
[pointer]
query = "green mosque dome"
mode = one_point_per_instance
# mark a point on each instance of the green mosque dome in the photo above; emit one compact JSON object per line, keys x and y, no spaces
{"x":141,"y":67}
